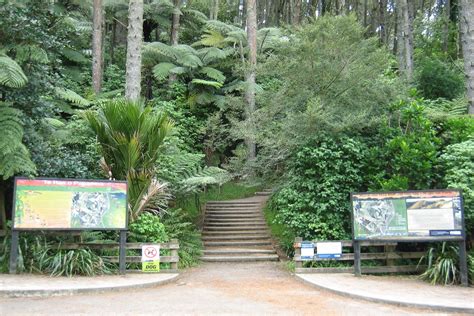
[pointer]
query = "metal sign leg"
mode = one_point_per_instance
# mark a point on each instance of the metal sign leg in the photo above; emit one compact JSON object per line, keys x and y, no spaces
{"x":463,"y":262}
{"x":14,"y":251}
{"x":357,"y":270}
{"x":122,"y":251}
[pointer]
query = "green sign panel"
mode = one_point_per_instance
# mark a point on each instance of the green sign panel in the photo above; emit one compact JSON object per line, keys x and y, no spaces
{"x":404,"y":215}
{"x":69,"y":204}
{"x":151,"y":266}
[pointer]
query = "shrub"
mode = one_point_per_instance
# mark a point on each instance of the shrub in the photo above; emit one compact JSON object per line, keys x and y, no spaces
{"x":458,"y":161}
{"x":437,"y":80}
{"x":442,"y":262}
{"x":148,"y":228}
{"x":315,"y":202}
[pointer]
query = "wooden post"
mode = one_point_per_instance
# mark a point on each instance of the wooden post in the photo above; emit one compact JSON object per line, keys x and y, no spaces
{"x":174,"y":253}
{"x":463,"y":262}
{"x":14,"y":251}
{"x":388,"y":249}
{"x":122,"y":251}
{"x":357,"y":270}
{"x":297,"y":246}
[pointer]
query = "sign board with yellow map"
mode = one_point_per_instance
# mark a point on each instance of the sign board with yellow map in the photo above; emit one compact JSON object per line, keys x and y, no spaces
{"x":62,"y":204}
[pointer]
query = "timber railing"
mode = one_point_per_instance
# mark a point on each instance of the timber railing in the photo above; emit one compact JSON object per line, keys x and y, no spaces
{"x":172,"y":247}
{"x":384,"y":253}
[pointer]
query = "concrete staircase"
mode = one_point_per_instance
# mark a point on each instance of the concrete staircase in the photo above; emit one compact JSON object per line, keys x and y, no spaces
{"x":236,"y":231}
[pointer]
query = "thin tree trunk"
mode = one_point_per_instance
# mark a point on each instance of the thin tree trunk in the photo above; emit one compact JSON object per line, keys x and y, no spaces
{"x":175,"y":24}
{"x":3,"y":213}
{"x":252,"y":61}
{"x":112,"y":41}
{"x":214,"y":11}
{"x":407,"y":39}
{"x":365,"y":13}
{"x":467,"y":38}
{"x":382,"y":20}
{"x":296,"y":12}
{"x":97,"y":60}
{"x":134,"y":46}
{"x":447,"y":14}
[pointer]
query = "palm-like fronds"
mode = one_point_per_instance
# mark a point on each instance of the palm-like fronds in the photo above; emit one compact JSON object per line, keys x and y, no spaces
{"x":71,"y":96}
{"x":14,"y":156}
{"x":130,"y":135}
{"x":11,"y":74}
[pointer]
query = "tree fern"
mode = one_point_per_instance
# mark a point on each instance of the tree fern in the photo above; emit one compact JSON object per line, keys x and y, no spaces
{"x":14,"y":156}
{"x":213,"y":74}
{"x":162,"y":70}
{"x":11,"y":74}
{"x":214,"y":84}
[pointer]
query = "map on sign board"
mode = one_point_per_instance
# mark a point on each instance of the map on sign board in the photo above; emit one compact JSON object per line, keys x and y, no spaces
{"x":407,"y":214}
{"x":69,"y":204}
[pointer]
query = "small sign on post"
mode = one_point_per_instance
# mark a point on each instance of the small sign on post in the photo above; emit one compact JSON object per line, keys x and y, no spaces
{"x":329,"y":250}
{"x":150,"y":258}
{"x":307,"y":250}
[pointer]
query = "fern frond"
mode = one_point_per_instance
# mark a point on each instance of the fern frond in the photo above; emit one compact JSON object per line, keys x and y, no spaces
{"x":162,"y":70}
{"x":25,"y":53}
{"x":212,"y":39}
{"x":71,"y":96}
{"x":11,"y":74}
{"x":16,"y":162}
{"x":213,"y":74}
{"x":209,"y":83}
{"x":74,"y":55}
{"x":195,"y":15}
{"x":212,"y":54}
{"x":221,"y":27}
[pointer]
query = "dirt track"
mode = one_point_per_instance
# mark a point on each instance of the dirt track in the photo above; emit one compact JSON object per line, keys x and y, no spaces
{"x":244,"y":289}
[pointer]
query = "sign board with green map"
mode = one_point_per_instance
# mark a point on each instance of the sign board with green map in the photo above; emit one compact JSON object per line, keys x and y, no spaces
{"x":68,"y":204}
{"x":409,"y":215}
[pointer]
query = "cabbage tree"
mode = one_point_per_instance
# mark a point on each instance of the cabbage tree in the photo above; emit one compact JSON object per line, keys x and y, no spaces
{"x":130,"y":135}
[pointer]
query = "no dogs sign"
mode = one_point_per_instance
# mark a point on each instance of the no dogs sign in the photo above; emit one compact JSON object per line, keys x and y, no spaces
{"x":150,"y":258}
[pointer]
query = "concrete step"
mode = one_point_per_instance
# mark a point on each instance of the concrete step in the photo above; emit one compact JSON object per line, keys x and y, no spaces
{"x":236,"y":237}
{"x":214,"y":208}
{"x":235,"y":224}
{"x":248,"y":258}
{"x":234,"y":202}
{"x":238,"y":251}
{"x":234,"y":213}
{"x":236,"y":232}
{"x":233,"y":228}
{"x":263,"y":193}
{"x":235,"y":216}
{"x":236,"y":220}
{"x":237,"y":243}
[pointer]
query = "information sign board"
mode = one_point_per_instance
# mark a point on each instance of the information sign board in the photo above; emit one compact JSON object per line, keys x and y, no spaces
{"x":329,"y":250}
{"x":408,"y":215}
{"x":69,"y":204}
{"x":307,"y":250}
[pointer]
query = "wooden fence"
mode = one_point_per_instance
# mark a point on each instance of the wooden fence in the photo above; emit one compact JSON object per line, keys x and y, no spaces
{"x":172,"y":258}
{"x":382,"y":252}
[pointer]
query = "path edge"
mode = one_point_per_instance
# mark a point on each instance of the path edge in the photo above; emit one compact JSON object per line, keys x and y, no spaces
{"x":68,"y":292}
{"x":372,"y":299}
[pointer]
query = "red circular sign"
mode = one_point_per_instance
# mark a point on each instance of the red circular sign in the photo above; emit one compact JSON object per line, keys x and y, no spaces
{"x":150,"y":252}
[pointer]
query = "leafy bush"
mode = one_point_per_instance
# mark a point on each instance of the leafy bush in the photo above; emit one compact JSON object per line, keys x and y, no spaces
{"x":458,"y":161}
{"x":147,"y":228}
{"x":435,"y":79}
{"x":315,"y":202}
{"x":407,"y":155}
{"x":179,"y":226}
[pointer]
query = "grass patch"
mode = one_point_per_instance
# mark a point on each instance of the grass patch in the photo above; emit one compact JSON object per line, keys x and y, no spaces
{"x":280,"y":232}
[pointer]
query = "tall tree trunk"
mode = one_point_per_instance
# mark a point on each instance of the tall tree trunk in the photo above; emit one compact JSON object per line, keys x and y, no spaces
{"x":382,"y":20}
{"x":406,"y":23}
{"x":112,"y":41}
{"x":134,"y":46}
{"x":3,"y":213}
{"x":296,"y":12}
{"x":252,"y":64}
{"x":97,"y":60}
{"x":467,"y":39}
{"x":214,"y":10}
{"x":175,"y":24}
{"x":447,"y":15}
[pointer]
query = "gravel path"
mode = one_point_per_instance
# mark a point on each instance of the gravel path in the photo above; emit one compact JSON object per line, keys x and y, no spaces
{"x":211,"y":289}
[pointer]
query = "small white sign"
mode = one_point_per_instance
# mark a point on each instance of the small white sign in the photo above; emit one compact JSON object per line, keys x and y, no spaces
{"x":307,"y":251}
{"x":331,"y":249}
{"x":150,"y":253}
